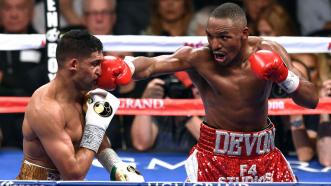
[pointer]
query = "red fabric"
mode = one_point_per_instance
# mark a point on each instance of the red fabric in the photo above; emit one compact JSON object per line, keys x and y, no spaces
{"x":184,"y":78}
{"x":176,"y":107}
{"x":270,"y":166}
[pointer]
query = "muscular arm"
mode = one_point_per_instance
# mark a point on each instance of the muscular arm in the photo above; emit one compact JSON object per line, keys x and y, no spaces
{"x":143,"y":132}
{"x":49,"y":125}
{"x":306,"y":95}
{"x":146,"y":67}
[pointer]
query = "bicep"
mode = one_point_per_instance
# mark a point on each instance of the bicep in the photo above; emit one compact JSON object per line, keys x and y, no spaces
{"x":179,"y":60}
{"x":54,"y":139}
{"x":147,"y":67}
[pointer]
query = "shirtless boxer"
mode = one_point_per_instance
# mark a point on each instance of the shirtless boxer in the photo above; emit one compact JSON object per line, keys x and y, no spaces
{"x":59,"y":142}
{"x":234,"y":75}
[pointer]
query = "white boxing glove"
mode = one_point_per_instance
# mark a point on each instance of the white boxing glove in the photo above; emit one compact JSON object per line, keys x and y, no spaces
{"x":124,"y":172}
{"x":101,"y":108}
{"x":118,"y":170}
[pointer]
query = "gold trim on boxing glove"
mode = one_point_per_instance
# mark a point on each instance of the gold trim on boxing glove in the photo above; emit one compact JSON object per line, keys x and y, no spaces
{"x":103,"y":109}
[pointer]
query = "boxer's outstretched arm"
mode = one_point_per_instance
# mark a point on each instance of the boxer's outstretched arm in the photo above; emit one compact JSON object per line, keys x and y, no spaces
{"x":306,"y":94}
{"x":49,"y":126}
{"x":149,"y":66}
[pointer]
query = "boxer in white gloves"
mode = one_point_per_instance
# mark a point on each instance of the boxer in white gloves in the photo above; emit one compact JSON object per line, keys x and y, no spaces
{"x":59,"y":143}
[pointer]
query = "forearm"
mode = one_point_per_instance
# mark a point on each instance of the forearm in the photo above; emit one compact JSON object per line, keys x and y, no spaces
{"x":144,"y":67}
{"x":323,"y":143}
{"x":302,"y":144}
{"x":118,"y":170}
{"x":77,"y":165}
{"x":143,"y":132}
{"x":193,"y":126}
{"x":81,"y":162}
{"x":306,"y":95}
{"x":104,"y":144}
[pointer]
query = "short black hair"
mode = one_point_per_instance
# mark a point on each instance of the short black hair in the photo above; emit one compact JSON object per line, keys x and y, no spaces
{"x":231,"y":11}
{"x":76,"y":44}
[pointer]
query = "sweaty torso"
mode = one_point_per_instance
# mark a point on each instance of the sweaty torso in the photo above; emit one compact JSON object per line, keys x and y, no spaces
{"x":73,"y":126}
{"x":233,"y":97}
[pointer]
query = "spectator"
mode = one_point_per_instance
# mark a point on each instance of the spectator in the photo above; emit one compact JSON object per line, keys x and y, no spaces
{"x":304,"y":128}
{"x":324,"y":128}
{"x":70,"y":14}
{"x":170,"y":17}
{"x":22,"y":70}
{"x":99,"y":16}
{"x":314,"y":15}
{"x":197,"y":26}
{"x":133,"y":16}
{"x":253,"y":8}
{"x":166,"y":133}
{"x":273,"y":20}
{"x":17,"y":66}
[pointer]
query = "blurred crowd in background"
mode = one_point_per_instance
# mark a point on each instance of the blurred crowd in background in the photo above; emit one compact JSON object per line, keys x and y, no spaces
{"x":21,"y":72}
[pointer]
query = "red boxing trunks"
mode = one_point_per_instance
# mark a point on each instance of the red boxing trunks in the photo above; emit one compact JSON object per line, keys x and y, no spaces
{"x":225,"y":156}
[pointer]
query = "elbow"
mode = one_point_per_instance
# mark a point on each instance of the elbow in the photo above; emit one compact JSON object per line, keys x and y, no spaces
{"x":310,"y":103}
{"x":305,"y":154}
{"x":141,"y":145}
{"x":314,"y":102}
{"x":324,"y":160}
{"x":74,"y":174}
{"x":305,"y":158}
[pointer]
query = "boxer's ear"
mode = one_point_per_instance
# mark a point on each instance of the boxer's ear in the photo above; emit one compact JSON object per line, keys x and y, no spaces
{"x":73,"y":64}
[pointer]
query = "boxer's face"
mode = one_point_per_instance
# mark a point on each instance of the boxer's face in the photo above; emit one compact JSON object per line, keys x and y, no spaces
{"x":16,"y":15}
{"x":225,"y":39}
{"x":89,"y":70}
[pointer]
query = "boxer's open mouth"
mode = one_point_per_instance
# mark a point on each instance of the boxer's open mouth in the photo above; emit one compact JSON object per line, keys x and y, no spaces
{"x":219,"y":56}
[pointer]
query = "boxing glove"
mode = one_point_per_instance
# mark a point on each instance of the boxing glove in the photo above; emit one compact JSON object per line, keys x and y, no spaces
{"x":269,"y":65}
{"x":118,"y":170}
{"x":115,"y":71}
{"x":101,"y":108}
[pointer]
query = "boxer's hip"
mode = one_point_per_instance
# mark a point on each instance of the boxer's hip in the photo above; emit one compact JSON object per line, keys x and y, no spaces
{"x":225,"y":156}
{"x":31,"y":171}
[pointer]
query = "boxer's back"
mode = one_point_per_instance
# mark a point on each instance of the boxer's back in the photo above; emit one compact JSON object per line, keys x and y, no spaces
{"x":69,"y":117}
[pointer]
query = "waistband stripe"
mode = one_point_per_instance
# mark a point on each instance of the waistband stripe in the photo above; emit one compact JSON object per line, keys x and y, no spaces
{"x":221,"y":142}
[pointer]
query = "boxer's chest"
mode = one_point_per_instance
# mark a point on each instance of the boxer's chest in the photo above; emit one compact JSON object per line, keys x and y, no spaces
{"x":75,"y":124}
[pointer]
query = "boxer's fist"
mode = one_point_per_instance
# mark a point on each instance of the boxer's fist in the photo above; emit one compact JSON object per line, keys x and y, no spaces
{"x":269,"y":65}
{"x":101,"y":108}
{"x":115,"y":71}
{"x":125,"y":172}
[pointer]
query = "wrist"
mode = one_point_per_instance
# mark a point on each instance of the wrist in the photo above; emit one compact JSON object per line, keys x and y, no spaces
{"x":291,"y":83}
{"x":296,"y":124}
{"x":92,"y":137}
{"x":129,"y":61}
